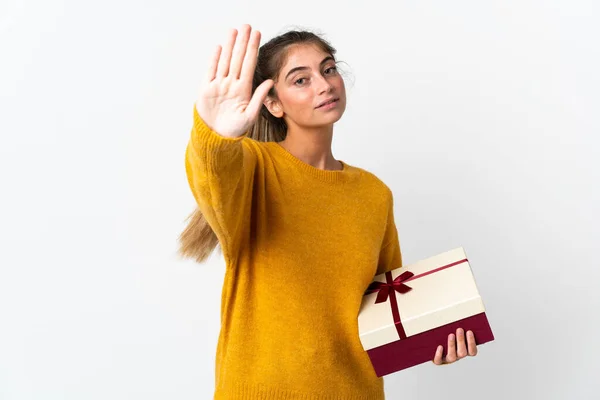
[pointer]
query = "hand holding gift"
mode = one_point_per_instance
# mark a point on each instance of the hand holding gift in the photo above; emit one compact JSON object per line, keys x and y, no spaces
{"x":457,"y":348}
{"x":408,"y":311}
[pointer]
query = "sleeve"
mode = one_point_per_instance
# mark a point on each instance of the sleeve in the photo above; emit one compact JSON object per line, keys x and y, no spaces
{"x":220,"y":173}
{"x":390,"y":255}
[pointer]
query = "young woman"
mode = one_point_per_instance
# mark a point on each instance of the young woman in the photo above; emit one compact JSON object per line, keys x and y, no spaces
{"x":302,"y":234}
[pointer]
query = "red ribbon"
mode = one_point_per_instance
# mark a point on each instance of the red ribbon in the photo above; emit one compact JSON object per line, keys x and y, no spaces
{"x":389,"y":288}
{"x":385,"y":289}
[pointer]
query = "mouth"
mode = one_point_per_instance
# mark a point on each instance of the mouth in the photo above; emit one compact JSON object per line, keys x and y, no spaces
{"x":327,"y":102}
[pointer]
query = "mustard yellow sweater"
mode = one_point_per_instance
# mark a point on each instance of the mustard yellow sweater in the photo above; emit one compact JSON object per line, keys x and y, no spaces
{"x":301,"y":245}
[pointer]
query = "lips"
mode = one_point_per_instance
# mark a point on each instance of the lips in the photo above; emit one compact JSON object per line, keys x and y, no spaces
{"x":327,"y":102}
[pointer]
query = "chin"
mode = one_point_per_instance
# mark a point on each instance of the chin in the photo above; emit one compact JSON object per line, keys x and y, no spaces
{"x":337,"y":118}
{"x":337,"y":115}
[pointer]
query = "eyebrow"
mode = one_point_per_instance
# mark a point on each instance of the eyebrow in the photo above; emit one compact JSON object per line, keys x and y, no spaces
{"x":328,"y":58}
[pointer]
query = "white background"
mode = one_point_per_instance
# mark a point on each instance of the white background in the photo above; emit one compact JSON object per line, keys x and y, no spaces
{"x":482,"y":117}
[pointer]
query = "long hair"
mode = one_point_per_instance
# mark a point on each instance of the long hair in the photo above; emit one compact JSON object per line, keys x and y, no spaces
{"x":198,"y":240}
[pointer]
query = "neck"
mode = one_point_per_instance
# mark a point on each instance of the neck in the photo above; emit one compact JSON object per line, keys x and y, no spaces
{"x":312,"y":145}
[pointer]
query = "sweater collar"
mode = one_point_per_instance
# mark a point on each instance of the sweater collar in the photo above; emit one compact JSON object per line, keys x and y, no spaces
{"x":332,"y":176}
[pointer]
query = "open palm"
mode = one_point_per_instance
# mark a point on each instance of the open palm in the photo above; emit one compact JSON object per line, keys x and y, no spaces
{"x":225,"y":102}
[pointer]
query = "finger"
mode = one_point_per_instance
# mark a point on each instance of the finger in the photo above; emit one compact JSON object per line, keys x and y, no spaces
{"x":461,"y":350}
{"x":471,"y":343}
{"x":239,"y":52}
{"x":212,"y":69}
{"x":437,"y":358}
{"x":259,"y":96}
{"x":225,"y":58}
{"x":451,"y":356}
{"x":250,"y":60}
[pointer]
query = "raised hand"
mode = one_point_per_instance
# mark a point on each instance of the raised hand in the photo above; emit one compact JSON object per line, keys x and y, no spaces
{"x":226,"y":103}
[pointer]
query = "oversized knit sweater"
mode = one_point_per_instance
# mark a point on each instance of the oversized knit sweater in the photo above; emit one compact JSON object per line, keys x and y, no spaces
{"x":301,"y":245}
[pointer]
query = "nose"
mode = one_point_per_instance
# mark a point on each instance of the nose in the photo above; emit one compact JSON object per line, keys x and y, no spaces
{"x":324,"y":85}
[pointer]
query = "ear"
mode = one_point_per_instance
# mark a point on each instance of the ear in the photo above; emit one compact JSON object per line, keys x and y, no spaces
{"x":274,"y":107}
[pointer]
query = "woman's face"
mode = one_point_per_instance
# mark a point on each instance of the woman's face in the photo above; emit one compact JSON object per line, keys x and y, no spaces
{"x":308,"y":78}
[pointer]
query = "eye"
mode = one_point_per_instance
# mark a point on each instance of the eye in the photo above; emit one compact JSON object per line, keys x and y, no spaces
{"x":331,"y":69}
{"x":298,"y":80}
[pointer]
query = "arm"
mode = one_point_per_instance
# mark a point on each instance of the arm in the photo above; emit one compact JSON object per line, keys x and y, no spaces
{"x":219,"y":160}
{"x":390,"y":255}
{"x":220,"y":174}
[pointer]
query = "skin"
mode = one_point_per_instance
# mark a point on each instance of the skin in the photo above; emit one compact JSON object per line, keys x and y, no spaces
{"x":310,"y":130}
{"x":227,"y":105}
{"x":458,"y":348}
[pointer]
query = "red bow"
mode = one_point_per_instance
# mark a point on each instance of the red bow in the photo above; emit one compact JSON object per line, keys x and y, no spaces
{"x":385,"y":288}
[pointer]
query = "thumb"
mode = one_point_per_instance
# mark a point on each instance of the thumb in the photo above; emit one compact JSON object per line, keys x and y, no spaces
{"x":260,"y":94}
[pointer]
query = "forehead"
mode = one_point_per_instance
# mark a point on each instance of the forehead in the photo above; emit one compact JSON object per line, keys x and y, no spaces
{"x":302,"y":55}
